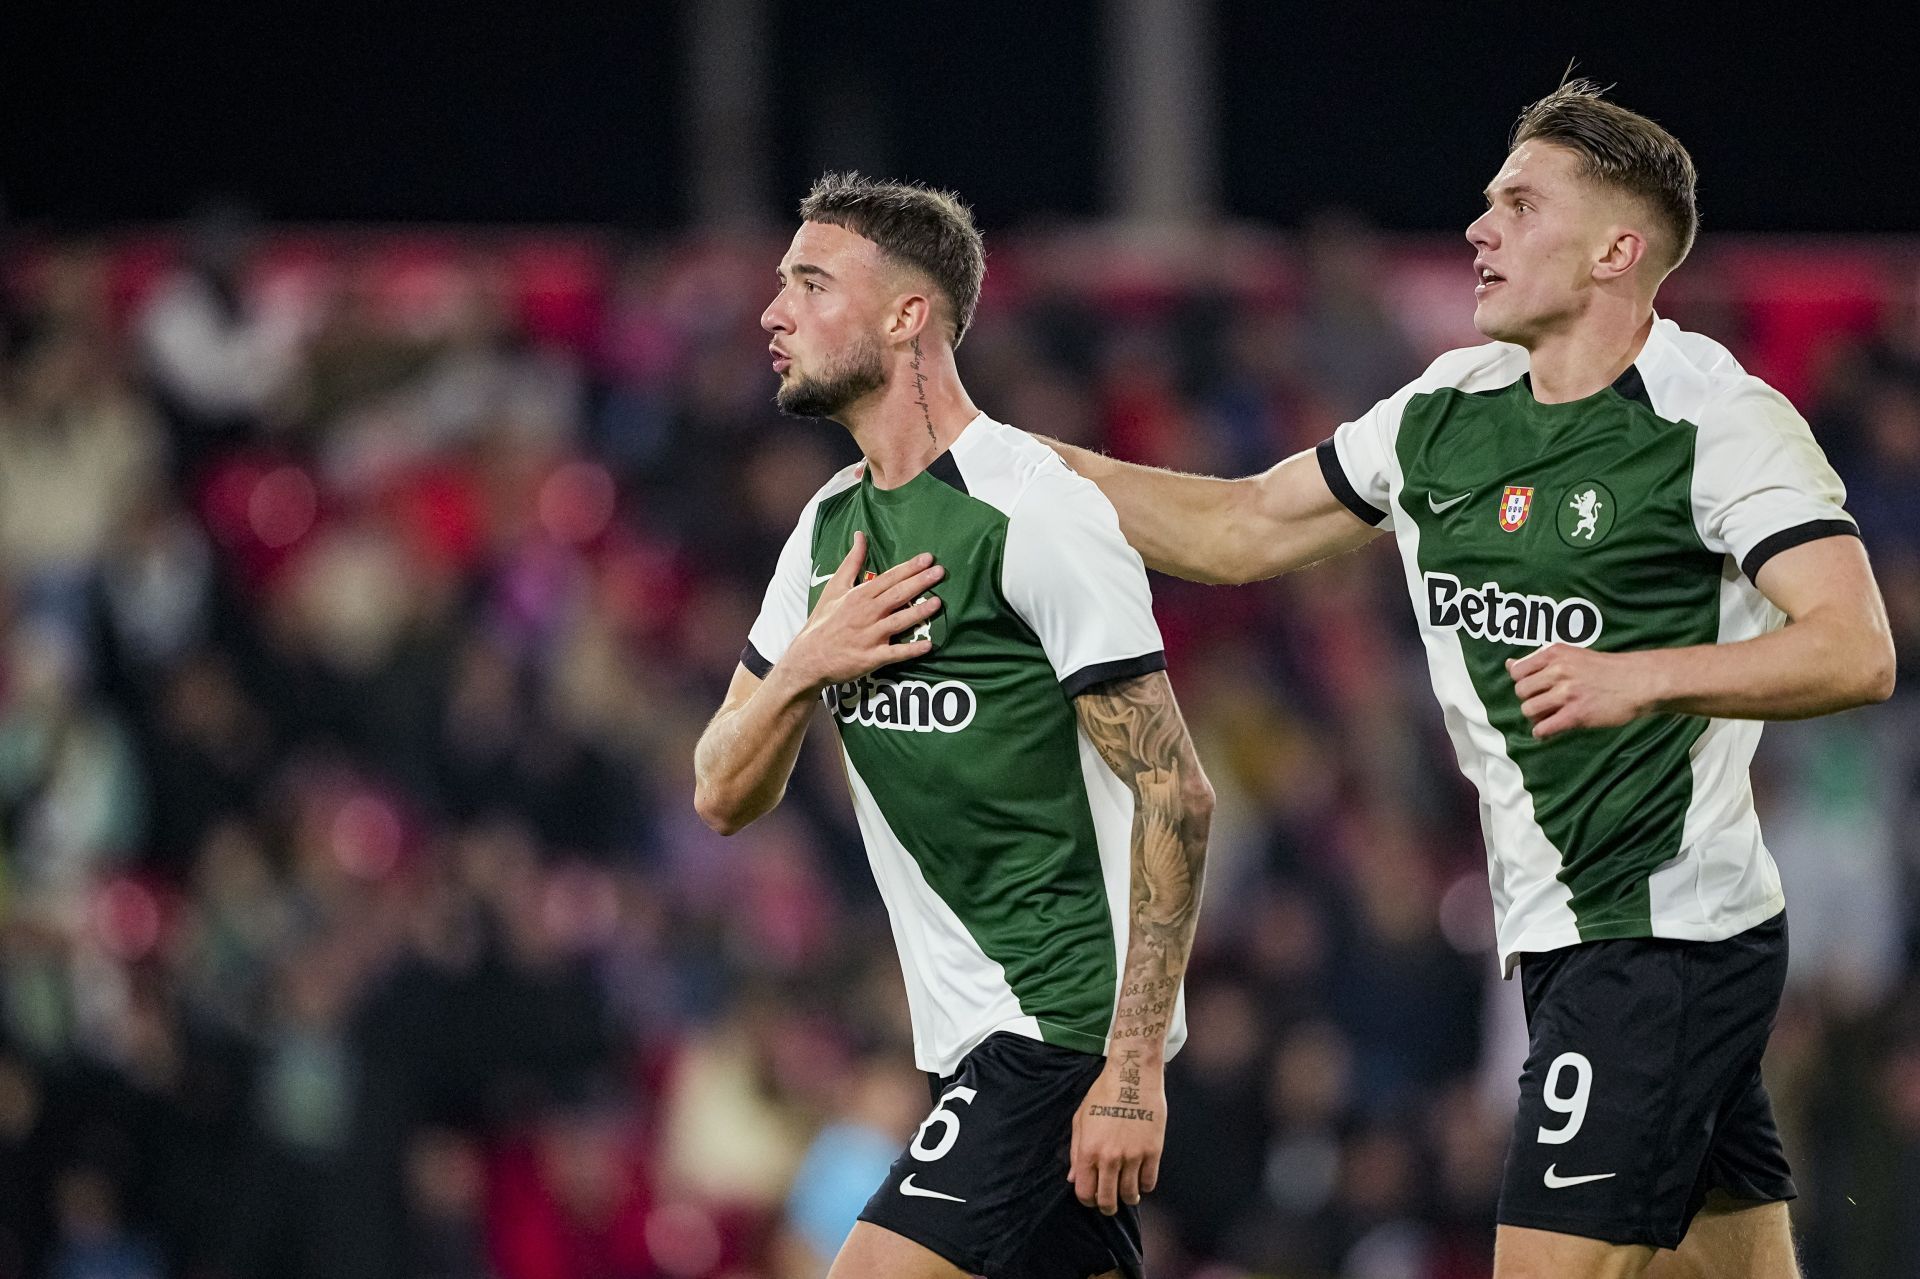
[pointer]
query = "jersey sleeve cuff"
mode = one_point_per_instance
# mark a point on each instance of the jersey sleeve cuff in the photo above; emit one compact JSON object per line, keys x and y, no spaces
{"x":751,"y":659}
{"x":1106,"y":672}
{"x":1788,"y":538}
{"x":1342,"y":487}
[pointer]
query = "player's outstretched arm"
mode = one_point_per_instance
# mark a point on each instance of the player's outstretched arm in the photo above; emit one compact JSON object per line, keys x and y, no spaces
{"x":1120,"y":1128}
{"x":1213,"y":530}
{"x":746,"y":754}
{"x":1835,"y":653}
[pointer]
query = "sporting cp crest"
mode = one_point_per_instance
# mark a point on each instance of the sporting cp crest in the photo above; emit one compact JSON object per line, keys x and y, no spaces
{"x":933,"y":628}
{"x":1586,"y":513}
{"x":1515,"y":504}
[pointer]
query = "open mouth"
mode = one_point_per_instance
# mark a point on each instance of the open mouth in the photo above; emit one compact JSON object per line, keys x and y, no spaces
{"x":1490,"y":279}
{"x":781,"y":362}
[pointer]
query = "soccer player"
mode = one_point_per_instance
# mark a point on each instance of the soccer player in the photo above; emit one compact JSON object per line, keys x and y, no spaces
{"x":1029,"y":798}
{"x":1623,"y":551}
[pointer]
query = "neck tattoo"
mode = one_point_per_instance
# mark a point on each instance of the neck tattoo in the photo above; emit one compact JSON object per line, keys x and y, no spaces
{"x":920,"y":391}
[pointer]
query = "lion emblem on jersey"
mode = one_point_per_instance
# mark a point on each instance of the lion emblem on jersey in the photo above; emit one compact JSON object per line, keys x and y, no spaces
{"x":1586,"y":513}
{"x":924,"y":631}
{"x":1587,"y":506}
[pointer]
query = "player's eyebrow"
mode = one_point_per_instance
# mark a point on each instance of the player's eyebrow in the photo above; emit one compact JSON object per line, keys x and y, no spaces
{"x":1517,"y":190}
{"x":804,"y":268}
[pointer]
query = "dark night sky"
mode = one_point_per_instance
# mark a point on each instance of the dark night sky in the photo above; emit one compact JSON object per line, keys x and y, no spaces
{"x":567,"y":111}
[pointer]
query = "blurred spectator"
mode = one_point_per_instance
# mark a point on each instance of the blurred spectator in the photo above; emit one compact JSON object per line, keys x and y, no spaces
{"x":93,"y":1243}
{"x":222,"y":350}
{"x":1349,"y":350}
{"x":28,"y":1149}
{"x":848,"y":1157}
{"x":445,"y":1200}
{"x":572,"y":1198}
{"x":78,"y":450}
{"x":1217,"y":1147}
{"x":70,"y":787}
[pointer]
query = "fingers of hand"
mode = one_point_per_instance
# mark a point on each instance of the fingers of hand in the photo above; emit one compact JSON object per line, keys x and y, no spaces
{"x":1086,"y":1178}
{"x":1149,"y":1174}
{"x":911,"y":588}
{"x":1544,"y":692}
{"x":899,"y":573}
{"x":1559,"y":722}
{"x":892,"y":654}
{"x":1557,"y":709}
{"x":1521,"y":667}
{"x":1130,"y":1182}
{"x":849,"y":571}
{"x":910,"y":616}
{"x":1108,"y":1195}
{"x":1534,"y":684}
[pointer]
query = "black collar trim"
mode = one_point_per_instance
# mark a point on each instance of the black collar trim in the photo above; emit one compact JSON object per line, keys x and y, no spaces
{"x":947,"y":471}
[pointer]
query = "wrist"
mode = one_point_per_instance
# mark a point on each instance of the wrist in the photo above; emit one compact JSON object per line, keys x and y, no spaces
{"x":1149,"y":1058}
{"x":793,"y":685}
{"x":1658,"y":686}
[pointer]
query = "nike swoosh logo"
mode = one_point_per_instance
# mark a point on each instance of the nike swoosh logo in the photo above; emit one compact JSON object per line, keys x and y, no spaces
{"x":1441,"y":508}
{"x":824,"y":577}
{"x":1557,"y":1182}
{"x":908,"y":1188}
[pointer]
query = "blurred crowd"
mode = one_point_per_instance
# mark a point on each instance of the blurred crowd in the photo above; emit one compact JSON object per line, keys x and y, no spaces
{"x":362,"y":595}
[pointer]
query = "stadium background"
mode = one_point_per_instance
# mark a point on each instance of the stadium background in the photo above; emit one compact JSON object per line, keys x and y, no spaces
{"x":375,"y":542}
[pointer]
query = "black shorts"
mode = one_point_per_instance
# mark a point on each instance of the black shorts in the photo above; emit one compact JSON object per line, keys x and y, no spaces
{"x":1642,"y":1087}
{"x":984,"y":1181}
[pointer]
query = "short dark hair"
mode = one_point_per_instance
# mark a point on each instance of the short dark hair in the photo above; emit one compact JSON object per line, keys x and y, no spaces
{"x":929,"y":230}
{"x":1623,"y":149}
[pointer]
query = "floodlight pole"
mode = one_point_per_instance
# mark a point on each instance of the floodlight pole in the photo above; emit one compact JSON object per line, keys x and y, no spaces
{"x":1162,"y":133}
{"x":726,"y":43}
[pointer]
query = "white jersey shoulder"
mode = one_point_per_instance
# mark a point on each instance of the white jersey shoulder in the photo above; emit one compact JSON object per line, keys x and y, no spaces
{"x":1760,"y":481}
{"x":1688,"y":375}
{"x":1066,"y":568}
{"x":1001,"y":463}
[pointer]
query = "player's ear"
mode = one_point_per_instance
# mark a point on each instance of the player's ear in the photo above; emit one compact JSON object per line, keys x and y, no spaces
{"x":912,"y":314}
{"x":1623,"y":251}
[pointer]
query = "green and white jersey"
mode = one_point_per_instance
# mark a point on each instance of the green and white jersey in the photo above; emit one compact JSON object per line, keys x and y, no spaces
{"x":1636,"y":518}
{"x":998,"y":836}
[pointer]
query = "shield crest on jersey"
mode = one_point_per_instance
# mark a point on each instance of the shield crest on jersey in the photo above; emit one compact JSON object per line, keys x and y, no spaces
{"x":934,"y":628}
{"x":1515,"y":504}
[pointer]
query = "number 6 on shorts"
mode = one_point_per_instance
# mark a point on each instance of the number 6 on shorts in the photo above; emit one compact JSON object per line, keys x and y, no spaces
{"x":948,"y":1121}
{"x":1573,"y":1105}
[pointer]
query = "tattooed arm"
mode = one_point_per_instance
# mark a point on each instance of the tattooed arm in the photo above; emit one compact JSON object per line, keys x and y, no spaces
{"x":1120,"y":1128}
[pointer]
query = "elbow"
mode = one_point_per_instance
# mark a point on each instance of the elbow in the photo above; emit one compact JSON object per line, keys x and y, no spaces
{"x":728,"y":813}
{"x":721,"y":818}
{"x":1879,"y":675}
{"x":1225,"y":574}
{"x":1240,"y":563}
{"x":1198,"y":798}
{"x":717,"y":820}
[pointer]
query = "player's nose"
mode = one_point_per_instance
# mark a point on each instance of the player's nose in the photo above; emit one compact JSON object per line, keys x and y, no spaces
{"x":1479,"y":231}
{"x":774,"y":318}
